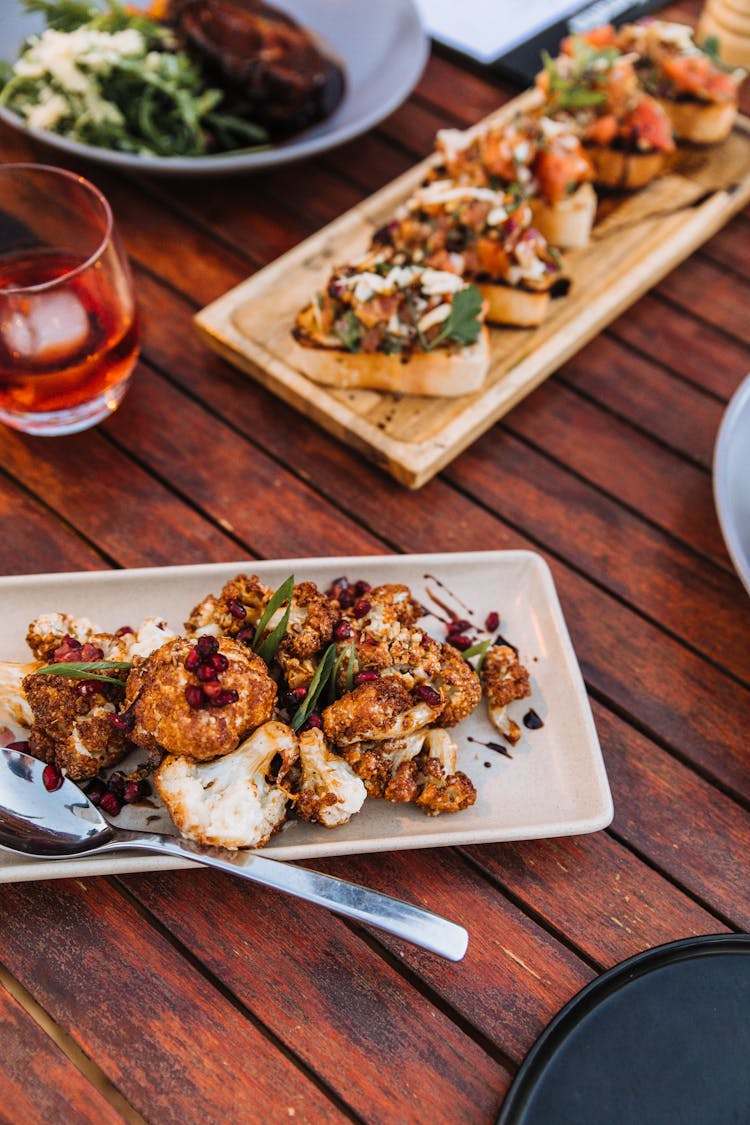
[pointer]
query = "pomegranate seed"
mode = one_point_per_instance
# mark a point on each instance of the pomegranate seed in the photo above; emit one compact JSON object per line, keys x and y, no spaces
{"x":193,"y":659}
{"x":131,"y":792}
{"x":428,"y":694}
{"x":459,"y":641}
{"x":224,"y":698}
{"x":342,"y":630}
{"x":95,"y":790}
{"x":206,"y":672}
{"x":313,"y":720}
{"x":237,"y":609}
{"x":124,"y":721}
{"x":293,"y":698}
{"x":212,"y":688}
{"x":492,"y":621}
{"x":52,"y":778}
{"x":195,"y":696}
{"x":337,"y":586}
{"x":219,"y":662}
{"x":91,"y":652}
{"x":346,"y":599}
{"x":69,"y":649}
{"x":366,"y":677}
{"x":116,"y":783}
{"x":123,"y":631}
{"x":110,"y":804}
{"x":458,"y":627}
{"x":361,"y":607}
{"x":22,"y":747}
{"x":246,"y":636}
{"x":207,"y":645}
{"x":362,"y":588}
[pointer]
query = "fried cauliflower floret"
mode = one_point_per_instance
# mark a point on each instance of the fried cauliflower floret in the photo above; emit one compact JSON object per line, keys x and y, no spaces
{"x":330,"y":792}
{"x":173,"y":709}
{"x":461,"y":686}
{"x":376,"y":711}
{"x":442,"y":788}
{"x":46,"y":633}
{"x":71,"y":725}
{"x":504,"y":679}
{"x":151,"y":634}
{"x":240,"y":603}
{"x":387,"y":768}
{"x":14,"y":706}
{"x":230,"y":802}
{"x":386,"y":639}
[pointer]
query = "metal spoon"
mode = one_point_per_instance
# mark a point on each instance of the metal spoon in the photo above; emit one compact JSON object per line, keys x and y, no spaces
{"x":64,"y":823}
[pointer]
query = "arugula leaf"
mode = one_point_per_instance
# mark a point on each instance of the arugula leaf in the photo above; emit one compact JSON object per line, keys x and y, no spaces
{"x":63,"y":15}
{"x":580,"y":99}
{"x":266,"y":649}
{"x":462,"y":323}
{"x":86,"y":670}
{"x":318,"y":683}
{"x":349,"y":331}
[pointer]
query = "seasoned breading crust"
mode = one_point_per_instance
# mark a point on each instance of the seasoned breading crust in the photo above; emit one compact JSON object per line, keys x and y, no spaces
{"x":72,"y":726}
{"x":330,"y":791}
{"x":240,"y":603}
{"x":47,"y":631}
{"x":375,"y":711}
{"x":504,"y":679}
{"x":461,"y":686}
{"x":164,"y":720}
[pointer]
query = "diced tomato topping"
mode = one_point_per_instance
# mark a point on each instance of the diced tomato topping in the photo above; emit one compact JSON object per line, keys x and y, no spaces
{"x":557,"y":168}
{"x":602,"y":130}
{"x":649,"y":123}
{"x":699,"y":76}
{"x":598,"y":37}
{"x":497,"y":155}
{"x":492,"y":257}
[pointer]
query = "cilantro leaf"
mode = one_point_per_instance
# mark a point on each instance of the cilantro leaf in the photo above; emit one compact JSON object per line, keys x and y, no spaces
{"x":349,"y":331}
{"x":463,"y":323}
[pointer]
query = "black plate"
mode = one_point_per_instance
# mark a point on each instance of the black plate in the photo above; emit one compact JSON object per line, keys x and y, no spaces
{"x":662,"y":1039}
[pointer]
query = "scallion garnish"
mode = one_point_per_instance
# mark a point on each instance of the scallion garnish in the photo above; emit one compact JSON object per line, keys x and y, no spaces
{"x":87,"y":670}
{"x":318,"y":683}
{"x":266,"y":649}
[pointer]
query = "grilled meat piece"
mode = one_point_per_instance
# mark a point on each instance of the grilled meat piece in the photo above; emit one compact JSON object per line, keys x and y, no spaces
{"x":260,"y":53}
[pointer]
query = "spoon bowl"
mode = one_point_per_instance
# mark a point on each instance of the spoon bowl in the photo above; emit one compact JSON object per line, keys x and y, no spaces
{"x":60,"y":823}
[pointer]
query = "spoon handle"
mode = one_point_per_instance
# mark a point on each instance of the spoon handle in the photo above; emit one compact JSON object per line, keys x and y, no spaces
{"x":421,"y":927}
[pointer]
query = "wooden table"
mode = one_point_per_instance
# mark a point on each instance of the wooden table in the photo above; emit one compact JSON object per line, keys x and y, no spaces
{"x":187,"y":997}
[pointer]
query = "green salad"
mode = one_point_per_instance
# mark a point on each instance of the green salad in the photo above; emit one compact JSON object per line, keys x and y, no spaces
{"x":118,"y":79}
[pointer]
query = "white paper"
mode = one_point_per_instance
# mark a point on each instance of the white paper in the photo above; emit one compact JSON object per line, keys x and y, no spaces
{"x":486,"y":29}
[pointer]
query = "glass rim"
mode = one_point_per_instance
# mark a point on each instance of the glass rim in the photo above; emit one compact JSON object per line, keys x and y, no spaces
{"x":28,"y":166}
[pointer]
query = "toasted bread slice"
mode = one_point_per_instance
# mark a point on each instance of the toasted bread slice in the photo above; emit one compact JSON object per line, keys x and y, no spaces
{"x":444,"y":372}
{"x":700,"y":123}
{"x":568,"y":223}
{"x":625,"y":171}
{"x":513,"y":306}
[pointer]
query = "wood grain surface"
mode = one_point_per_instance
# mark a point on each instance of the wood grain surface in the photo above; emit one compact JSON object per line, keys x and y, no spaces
{"x":185,"y":998}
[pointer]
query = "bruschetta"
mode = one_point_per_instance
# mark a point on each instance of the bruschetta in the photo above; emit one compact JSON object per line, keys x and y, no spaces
{"x":486,"y":237}
{"x":543,"y":159}
{"x":697,"y":92}
{"x":408,"y":329}
{"x":593,"y":87}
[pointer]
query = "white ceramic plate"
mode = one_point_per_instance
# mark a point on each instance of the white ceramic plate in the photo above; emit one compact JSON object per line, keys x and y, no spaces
{"x":553,"y":785}
{"x":382,"y":46}
{"x":732,"y":480}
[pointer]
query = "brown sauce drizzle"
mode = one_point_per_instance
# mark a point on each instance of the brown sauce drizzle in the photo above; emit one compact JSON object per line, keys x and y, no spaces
{"x":496,"y":746}
{"x":532,"y":720}
{"x":449,"y":592}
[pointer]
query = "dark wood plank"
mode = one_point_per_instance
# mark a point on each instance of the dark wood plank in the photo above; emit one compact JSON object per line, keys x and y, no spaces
{"x":711,"y":295}
{"x":39,"y":1082}
{"x":330,"y":998}
{"x":176,"y":1048}
{"x":36,"y":541}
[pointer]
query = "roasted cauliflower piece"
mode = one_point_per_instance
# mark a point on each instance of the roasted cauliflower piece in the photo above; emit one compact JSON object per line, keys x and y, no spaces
{"x":128,"y":644}
{"x":461,"y":686}
{"x":239,"y":605}
{"x":383,"y":628}
{"x":14,"y":706}
{"x":198,"y":698}
{"x":382,"y":709}
{"x":504,"y":679}
{"x":441,"y":787}
{"x":330,"y":792}
{"x":387,"y":768}
{"x":230,"y":802}
{"x":71,"y":724}
{"x":47,"y":632}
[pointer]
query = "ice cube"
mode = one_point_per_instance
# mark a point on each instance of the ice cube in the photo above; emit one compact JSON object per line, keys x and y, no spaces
{"x":46,"y":328}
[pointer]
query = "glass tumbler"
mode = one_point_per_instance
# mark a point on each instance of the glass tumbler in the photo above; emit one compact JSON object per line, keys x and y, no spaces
{"x":68,"y":323}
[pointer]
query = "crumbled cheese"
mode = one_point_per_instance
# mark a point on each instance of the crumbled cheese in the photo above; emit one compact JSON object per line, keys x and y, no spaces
{"x":445,"y":191}
{"x":434,"y":316}
{"x":62,"y":55}
{"x":46,"y":114}
{"x":437,"y":282}
{"x":452,"y":142}
{"x":497,"y":216}
{"x":521,"y":152}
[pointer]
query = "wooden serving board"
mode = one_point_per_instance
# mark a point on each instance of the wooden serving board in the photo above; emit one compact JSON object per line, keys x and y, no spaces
{"x":637,"y":239}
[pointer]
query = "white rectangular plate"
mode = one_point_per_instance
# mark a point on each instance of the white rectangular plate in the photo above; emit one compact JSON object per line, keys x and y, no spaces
{"x":553,"y":785}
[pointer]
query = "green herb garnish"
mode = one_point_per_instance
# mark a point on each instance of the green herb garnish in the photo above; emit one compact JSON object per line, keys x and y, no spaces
{"x":349,"y":331}
{"x":318,"y":683}
{"x":480,"y":650}
{"x":266,"y":649}
{"x":462,"y":323}
{"x":86,"y":670}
